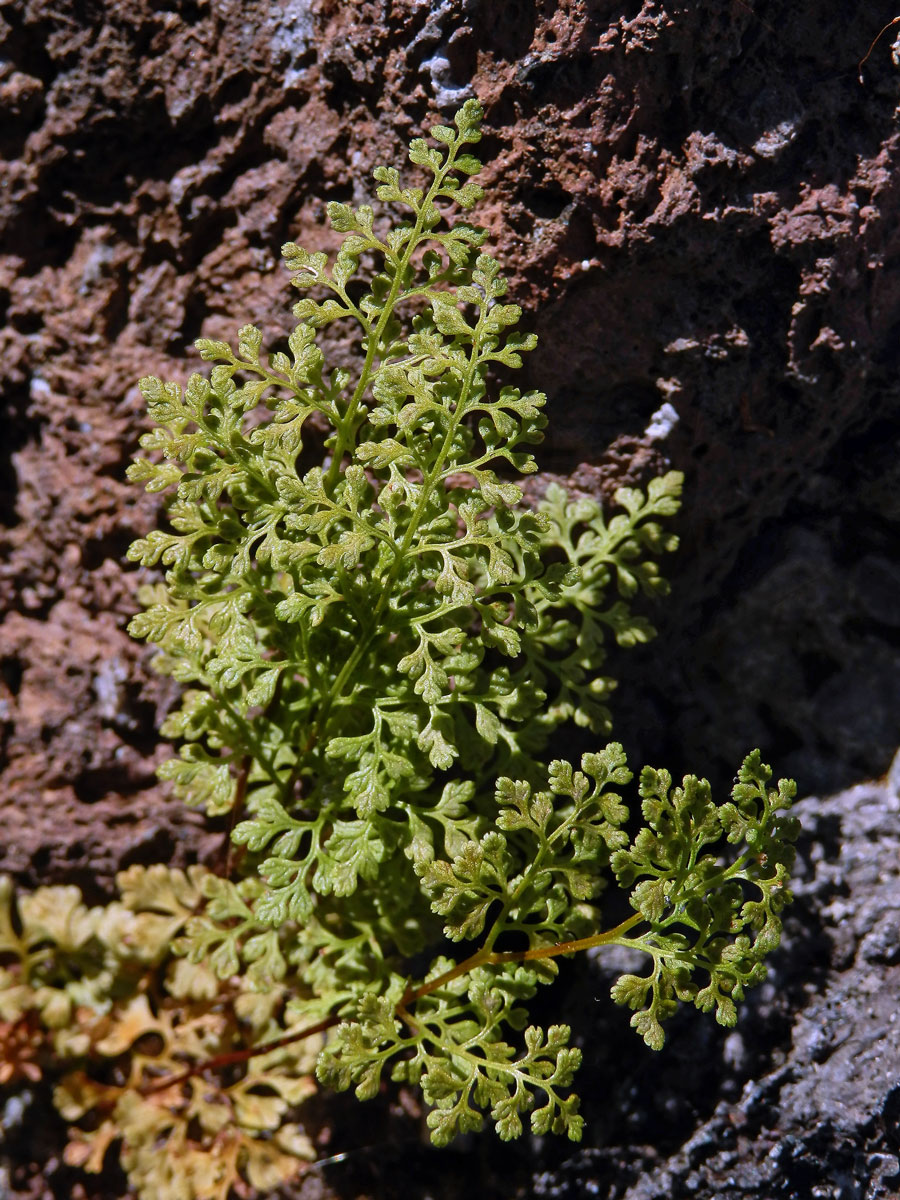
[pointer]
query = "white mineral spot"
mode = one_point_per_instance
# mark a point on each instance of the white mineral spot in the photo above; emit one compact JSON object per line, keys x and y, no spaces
{"x":662,"y":422}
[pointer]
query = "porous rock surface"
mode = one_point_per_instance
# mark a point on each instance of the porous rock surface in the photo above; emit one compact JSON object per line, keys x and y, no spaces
{"x":698,"y":206}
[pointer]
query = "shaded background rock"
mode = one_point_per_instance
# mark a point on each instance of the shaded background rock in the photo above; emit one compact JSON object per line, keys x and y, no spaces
{"x":698,"y":207}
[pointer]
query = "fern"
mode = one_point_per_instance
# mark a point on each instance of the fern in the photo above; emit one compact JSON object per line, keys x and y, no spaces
{"x":369,"y":644}
{"x":94,"y":998}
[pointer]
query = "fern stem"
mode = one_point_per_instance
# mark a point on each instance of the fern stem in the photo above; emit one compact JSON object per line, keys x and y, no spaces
{"x":238,"y":1056}
{"x":481,"y":958}
{"x":485,"y":957}
{"x":344,"y":427}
